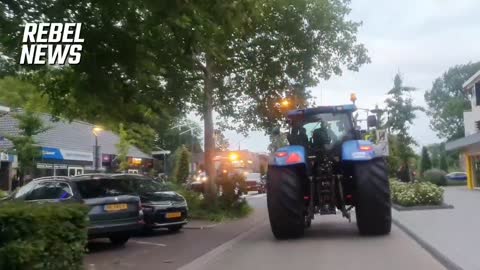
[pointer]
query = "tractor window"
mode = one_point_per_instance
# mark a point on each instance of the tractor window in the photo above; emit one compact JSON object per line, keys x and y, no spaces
{"x":331,"y":128}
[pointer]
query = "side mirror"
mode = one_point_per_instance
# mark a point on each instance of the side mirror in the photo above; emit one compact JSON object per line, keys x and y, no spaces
{"x":372,"y":121}
{"x":276,"y":131}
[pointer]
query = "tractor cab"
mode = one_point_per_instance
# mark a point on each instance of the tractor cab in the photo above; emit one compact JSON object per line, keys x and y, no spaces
{"x":322,"y":129}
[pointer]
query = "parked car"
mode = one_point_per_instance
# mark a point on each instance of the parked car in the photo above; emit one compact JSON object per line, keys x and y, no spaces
{"x":457,"y":176}
{"x":255,"y":182}
{"x":162,"y":208}
{"x":114,"y":213}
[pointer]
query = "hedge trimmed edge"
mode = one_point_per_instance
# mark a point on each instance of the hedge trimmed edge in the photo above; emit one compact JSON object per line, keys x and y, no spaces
{"x":42,"y":236}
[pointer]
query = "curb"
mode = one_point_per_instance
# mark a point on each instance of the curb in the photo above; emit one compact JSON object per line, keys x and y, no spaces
{"x":421,"y":207}
{"x":200,"y":227}
{"x":440,"y":257}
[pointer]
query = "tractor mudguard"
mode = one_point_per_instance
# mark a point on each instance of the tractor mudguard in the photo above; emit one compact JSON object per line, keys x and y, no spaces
{"x":289,"y":155}
{"x":358,"y":150}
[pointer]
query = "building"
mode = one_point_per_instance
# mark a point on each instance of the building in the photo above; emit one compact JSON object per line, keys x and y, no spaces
{"x":469,"y":146}
{"x":68,"y":148}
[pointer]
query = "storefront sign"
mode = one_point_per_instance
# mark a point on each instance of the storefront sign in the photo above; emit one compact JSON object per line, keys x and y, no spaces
{"x":62,"y":154}
{"x":50,"y":166}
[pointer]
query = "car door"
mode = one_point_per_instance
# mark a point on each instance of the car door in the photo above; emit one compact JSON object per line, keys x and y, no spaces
{"x":50,"y":191}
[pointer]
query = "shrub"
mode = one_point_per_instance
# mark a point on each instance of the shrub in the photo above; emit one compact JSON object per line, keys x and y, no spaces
{"x":225,"y":207}
{"x":46,"y":237}
{"x":436,"y":177}
{"x":413,"y":194}
{"x":182,"y":165}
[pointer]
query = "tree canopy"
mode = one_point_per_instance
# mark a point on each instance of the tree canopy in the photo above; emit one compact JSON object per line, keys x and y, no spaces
{"x":146,"y":61}
{"x":447,"y":101}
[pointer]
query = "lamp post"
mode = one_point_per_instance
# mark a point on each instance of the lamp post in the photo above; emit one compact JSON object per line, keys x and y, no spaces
{"x":96,"y":131}
{"x":241,"y":140}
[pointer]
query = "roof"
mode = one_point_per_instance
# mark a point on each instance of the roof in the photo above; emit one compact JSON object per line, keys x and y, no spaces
{"x":463,"y":142}
{"x":74,"y":136}
{"x":471,"y":81}
{"x":322,"y":109}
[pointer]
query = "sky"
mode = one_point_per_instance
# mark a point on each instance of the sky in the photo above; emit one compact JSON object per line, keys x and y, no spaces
{"x":419,"y":39}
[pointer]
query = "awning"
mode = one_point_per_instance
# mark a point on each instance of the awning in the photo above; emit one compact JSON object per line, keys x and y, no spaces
{"x":463,"y":142}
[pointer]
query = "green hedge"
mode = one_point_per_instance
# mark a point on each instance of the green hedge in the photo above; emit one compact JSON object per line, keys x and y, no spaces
{"x":435,"y":176}
{"x":47,"y":237}
{"x":418,"y":193}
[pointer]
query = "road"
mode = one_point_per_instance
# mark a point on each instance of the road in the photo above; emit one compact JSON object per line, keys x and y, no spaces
{"x":331,"y":243}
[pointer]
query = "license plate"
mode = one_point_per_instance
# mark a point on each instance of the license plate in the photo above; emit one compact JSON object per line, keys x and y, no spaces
{"x":116,"y":207}
{"x":173,"y":215}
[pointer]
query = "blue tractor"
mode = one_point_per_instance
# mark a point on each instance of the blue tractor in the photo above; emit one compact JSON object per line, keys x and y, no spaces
{"x":328,"y":165}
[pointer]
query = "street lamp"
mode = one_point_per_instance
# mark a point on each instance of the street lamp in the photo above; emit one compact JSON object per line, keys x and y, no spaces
{"x":96,"y":131}
{"x":191,"y":130}
{"x":241,"y":140}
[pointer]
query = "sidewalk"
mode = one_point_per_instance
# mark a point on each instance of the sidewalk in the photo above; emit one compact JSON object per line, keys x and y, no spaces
{"x":453,"y":232}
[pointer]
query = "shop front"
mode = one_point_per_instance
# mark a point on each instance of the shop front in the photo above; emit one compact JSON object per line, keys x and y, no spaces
{"x":63,"y":162}
{"x":469,"y":148}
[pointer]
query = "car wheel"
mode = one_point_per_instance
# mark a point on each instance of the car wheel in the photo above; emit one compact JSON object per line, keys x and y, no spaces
{"x":175,"y":228}
{"x":119,"y":239}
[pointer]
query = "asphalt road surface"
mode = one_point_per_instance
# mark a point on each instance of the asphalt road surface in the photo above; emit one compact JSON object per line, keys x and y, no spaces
{"x":331,"y":243}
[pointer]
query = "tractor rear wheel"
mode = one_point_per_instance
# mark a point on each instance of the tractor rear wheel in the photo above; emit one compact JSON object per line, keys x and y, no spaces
{"x":285,"y":202}
{"x":373,"y":202}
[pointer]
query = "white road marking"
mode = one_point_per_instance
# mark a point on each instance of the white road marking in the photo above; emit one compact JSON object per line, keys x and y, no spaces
{"x":148,"y":243}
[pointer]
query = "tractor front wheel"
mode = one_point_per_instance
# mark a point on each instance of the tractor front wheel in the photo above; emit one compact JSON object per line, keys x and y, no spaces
{"x":373,"y":202}
{"x":285,"y":202}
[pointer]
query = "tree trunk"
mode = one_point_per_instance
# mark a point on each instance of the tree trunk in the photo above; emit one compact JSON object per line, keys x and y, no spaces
{"x":209,"y":134}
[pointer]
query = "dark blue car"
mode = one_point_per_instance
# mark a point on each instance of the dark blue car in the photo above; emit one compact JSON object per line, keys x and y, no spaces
{"x":457,"y":176}
{"x":114,"y":212}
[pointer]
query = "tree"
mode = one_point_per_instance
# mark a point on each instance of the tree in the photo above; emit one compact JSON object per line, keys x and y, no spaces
{"x":123,"y":146}
{"x":401,"y":113}
{"x":18,"y":93}
{"x":24,"y":144}
{"x":182,"y":164}
{"x":447,"y":101}
{"x":277,"y":141}
{"x":221,"y":143}
{"x":154,"y":58}
{"x":426,"y":163}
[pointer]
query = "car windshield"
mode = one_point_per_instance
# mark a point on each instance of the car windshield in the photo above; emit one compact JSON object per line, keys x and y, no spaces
{"x":335,"y":125}
{"x":97,"y":188}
